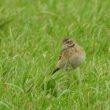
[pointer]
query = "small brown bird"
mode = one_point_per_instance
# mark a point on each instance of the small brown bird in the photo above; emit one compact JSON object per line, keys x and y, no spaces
{"x":71,"y":55}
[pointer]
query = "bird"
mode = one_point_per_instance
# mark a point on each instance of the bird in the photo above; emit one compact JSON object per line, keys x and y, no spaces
{"x":72,"y":54}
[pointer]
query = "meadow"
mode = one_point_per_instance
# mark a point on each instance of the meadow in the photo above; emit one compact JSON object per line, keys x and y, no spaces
{"x":31,"y":32}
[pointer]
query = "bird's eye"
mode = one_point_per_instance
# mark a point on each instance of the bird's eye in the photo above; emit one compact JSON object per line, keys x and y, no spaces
{"x":68,"y":42}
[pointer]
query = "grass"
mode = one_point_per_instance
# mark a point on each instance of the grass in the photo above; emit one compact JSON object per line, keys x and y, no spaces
{"x":30,"y":42}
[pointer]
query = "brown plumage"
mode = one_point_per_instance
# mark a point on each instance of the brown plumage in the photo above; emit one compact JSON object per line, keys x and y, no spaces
{"x":71,"y":55}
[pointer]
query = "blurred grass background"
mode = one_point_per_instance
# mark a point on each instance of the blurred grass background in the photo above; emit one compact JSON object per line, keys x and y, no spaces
{"x":31,"y":32}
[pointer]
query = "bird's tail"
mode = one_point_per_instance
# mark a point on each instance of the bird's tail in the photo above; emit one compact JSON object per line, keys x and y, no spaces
{"x":57,"y":69}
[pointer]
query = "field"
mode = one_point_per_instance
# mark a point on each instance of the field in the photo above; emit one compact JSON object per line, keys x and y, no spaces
{"x":31,"y":32}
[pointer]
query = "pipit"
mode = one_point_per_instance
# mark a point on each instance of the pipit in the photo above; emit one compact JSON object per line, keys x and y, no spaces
{"x":71,"y":55}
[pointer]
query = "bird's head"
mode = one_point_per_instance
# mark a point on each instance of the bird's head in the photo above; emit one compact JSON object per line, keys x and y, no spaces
{"x":68,"y":43}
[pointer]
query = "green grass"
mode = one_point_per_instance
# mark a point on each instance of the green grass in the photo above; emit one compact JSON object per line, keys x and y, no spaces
{"x":30,"y":42}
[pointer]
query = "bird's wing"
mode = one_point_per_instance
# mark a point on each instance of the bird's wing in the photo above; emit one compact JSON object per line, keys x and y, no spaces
{"x":60,"y":61}
{"x":62,"y":54}
{"x":62,"y":58}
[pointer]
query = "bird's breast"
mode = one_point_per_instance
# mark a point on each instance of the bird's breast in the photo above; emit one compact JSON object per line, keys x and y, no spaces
{"x":77,"y":58}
